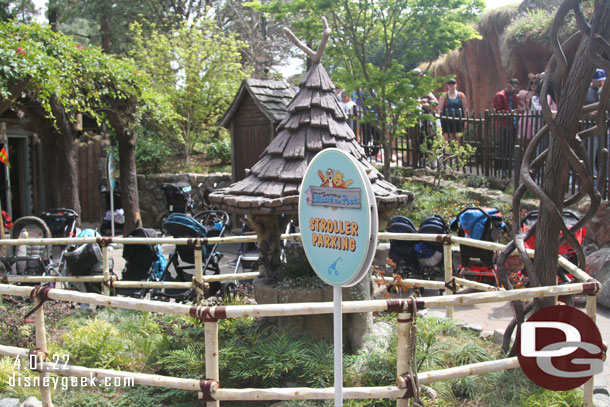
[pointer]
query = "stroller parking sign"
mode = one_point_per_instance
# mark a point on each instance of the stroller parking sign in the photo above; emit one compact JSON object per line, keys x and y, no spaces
{"x":338,"y":218}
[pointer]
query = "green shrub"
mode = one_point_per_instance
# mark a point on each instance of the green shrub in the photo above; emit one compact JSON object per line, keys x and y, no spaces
{"x":219,"y":148}
{"x":97,"y":344}
{"x":477,"y":181}
{"x":19,"y":370}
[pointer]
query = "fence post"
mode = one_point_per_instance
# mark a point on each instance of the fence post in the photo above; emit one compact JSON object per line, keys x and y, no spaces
{"x":107,"y":279}
{"x":516,"y":165}
{"x":486,"y":135}
{"x":588,"y":386}
{"x":211,"y":356}
{"x":402,"y":349}
{"x":448,"y":263}
{"x":198,"y":271}
{"x":41,"y":344}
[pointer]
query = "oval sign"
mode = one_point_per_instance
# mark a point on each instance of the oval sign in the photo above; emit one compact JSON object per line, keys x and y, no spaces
{"x":338,"y":218}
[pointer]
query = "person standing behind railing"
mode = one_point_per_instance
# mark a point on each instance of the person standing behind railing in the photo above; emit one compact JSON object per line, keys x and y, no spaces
{"x":526,"y":126}
{"x":451,"y":105}
{"x":506,"y":102}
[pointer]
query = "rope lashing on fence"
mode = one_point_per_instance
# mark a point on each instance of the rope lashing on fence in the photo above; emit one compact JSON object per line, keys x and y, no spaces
{"x":208,"y":314}
{"x":208,"y":386}
{"x":451,"y":285}
{"x":591,"y":287}
{"x":197,"y":242}
{"x":4,"y":279}
{"x":110,"y":282}
{"x":398,"y":305}
{"x":203,"y":286}
{"x":103,"y":241}
{"x":42,"y":293}
{"x":410,"y":376}
{"x":444,"y":239}
{"x":39,"y":355}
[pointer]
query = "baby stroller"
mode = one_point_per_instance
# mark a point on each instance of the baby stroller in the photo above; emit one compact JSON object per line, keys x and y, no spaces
{"x":61,"y":221}
{"x":565,"y":250}
{"x":482,"y":224}
{"x":178,"y":199}
{"x":30,"y":260}
{"x":402,"y":255}
{"x":204,"y":224}
{"x":144,"y":262}
{"x":85,"y":260}
{"x":430,"y":254}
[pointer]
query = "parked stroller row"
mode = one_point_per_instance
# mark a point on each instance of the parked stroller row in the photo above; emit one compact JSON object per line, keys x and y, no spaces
{"x":424,"y":260}
{"x":144,"y":262}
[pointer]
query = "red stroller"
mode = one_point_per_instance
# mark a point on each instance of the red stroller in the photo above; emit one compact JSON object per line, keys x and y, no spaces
{"x":570,"y":219}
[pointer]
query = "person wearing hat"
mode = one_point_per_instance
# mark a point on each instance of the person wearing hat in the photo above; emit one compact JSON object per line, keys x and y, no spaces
{"x":452,"y":104}
{"x":599,"y":78}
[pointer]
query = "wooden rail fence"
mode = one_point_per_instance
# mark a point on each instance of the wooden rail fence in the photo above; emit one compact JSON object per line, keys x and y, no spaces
{"x":210,"y":389}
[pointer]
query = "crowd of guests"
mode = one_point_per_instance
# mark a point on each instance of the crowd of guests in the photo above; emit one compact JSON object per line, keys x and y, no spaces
{"x":519,"y":109}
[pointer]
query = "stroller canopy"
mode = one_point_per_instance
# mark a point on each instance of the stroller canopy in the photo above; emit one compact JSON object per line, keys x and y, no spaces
{"x":474,"y":222}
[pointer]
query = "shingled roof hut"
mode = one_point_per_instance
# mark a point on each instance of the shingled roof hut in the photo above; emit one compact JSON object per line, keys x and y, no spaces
{"x":270,"y":191}
{"x":252,"y":119}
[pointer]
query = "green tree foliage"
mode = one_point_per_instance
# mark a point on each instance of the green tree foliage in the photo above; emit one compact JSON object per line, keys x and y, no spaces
{"x":198,"y":68}
{"x":106,"y":23}
{"x":375,"y":45}
{"x":62,"y":79}
{"x":21,"y":10}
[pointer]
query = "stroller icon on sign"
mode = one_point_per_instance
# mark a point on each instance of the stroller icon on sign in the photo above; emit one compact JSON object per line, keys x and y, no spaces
{"x":333,"y":267}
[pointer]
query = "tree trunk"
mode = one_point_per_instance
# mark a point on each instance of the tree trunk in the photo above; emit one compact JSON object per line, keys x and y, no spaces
{"x":128,"y":172}
{"x":66,"y":191}
{"x":105,"y":30}
{"x":556,"y":173}
{"x":268,"y":230}
{"x":129,"y":183}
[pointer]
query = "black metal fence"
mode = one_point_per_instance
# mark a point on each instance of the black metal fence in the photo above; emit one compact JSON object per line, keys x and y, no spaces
{"x":493,"y":135}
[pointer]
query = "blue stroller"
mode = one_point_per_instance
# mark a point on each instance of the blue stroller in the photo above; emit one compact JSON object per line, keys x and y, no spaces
{"x":204,"y":224}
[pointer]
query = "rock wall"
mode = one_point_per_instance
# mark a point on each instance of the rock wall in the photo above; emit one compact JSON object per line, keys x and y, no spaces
{"x":152,"y":201}
{"x":482,"y":67}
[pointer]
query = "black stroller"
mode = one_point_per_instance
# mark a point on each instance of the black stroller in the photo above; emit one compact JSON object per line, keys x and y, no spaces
{"x":30,"y":260}
{"x":482,"y":224}
{"x":204,"y":224}
{"x":402,"y":255}
{"x":430,"y":254}
{"x":85,"y":260}
{"x":61,"y":221}
{"x":144,"y":262}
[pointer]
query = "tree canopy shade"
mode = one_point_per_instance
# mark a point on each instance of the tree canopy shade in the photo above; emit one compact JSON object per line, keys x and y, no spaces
{"x":198,"y":67}
{"x":377,"y":43}
{"x":61,"y":79}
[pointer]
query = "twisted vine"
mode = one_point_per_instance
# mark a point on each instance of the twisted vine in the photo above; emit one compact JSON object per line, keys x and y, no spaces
{"x":569,"y":80}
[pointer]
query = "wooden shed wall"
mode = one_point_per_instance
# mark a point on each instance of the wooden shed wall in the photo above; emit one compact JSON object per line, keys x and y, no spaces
{"x":251,"y":133}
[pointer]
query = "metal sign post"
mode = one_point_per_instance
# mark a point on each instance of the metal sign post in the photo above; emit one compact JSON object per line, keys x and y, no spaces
{"x":111,"y":179}
{"x":339,"y":226}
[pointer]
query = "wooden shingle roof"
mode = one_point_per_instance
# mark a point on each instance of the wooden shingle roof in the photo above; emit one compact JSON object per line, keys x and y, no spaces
{"x":271,"y":97}
{"x":315,"y":121}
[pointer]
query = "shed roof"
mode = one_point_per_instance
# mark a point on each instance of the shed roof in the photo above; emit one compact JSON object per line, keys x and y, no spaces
{"x":271,"y":97}
{"x":315,"y":121}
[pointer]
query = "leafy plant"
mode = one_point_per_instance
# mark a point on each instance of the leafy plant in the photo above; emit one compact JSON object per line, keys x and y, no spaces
{"x":97,"y":344}
{"x":447,"y":155}
{"x":219,"y":148}
{"x":10,"y":370}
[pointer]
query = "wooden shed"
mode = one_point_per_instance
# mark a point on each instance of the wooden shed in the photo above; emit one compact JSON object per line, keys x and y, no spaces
{"x":252,"y":118}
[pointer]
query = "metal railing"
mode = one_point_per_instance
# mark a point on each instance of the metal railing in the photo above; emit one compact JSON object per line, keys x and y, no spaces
{"x":209,"y":388}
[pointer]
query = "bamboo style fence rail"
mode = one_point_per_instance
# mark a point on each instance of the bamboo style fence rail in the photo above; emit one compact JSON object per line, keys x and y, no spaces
{"x":209,"y":389}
